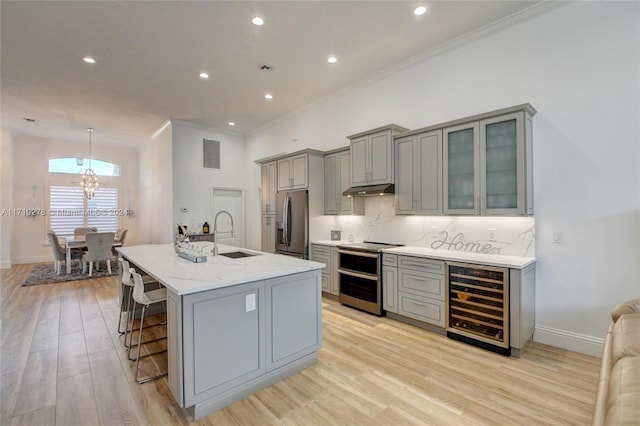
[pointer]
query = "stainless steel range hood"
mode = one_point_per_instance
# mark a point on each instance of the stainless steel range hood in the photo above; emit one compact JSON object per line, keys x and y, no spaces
{"x":365,"y":191}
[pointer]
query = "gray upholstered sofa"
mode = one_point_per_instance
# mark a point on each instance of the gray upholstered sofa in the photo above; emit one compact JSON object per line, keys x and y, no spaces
{"x":618,"y":394}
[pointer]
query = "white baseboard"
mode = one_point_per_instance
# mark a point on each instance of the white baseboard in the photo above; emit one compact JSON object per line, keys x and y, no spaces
{"x":575,"y":342}
{"x":5,"y":264}
{"x":34,"y":259}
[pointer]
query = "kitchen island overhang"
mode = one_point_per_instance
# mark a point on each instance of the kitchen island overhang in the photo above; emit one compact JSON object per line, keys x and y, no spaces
{"x":234,"y":326}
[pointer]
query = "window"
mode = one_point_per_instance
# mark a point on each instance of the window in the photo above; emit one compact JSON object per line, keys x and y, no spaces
{"x":79,"y":165}
{"x":69,"y":209}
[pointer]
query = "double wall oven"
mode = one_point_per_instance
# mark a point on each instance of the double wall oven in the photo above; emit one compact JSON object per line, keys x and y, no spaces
{"x":360,"y":275}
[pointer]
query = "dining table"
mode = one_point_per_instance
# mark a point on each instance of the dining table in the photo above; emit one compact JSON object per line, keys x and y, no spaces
{"x":78,"y":242}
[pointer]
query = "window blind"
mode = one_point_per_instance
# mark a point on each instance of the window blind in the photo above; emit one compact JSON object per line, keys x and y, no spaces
{"x":69,"y":209}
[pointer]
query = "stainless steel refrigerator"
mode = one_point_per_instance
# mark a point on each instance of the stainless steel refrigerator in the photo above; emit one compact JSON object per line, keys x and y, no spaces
{"x":292,"y":223}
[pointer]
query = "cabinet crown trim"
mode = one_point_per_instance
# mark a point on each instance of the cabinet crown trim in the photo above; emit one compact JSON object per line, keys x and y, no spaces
{"x":280,"y":156}
{"x":392,"y":127}
{"x":477,"y":117}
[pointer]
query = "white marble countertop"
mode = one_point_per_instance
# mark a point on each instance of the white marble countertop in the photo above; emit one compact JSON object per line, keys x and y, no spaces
{"x":185,"y":277}
{"x":515,"y":262}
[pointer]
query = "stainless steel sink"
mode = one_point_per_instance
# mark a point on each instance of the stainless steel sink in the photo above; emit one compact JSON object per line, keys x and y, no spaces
{"x":237,"y":254}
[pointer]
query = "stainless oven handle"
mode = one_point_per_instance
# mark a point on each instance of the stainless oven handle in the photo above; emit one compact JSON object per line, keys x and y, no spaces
{"x":355,"y":274}
{"x":359,"y":253}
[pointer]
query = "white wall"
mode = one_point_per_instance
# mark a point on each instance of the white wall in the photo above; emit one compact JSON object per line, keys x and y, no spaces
{"x":192,"y":183}
{"x":6,"y":197}
{"x":29,"y":167}
{"x":578,"y":65}
{"x":156,"y":188}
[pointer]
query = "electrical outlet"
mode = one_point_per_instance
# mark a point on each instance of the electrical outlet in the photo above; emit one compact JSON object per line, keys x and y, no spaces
{"x":250,"y":302}
{"x":492,"y":234}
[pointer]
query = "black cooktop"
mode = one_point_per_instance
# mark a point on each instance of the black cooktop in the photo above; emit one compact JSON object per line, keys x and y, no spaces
{"x":370,"y":246}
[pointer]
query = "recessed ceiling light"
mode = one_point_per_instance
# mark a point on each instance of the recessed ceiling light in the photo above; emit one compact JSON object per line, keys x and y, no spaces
{"x":257,"y":21}
{"x":231,"y":123}
{"x":204,"y":75}
{"x":268,"y":96}
{"x":89,"y":60}
{"x":332,"y":59}
{"x":420,"y":10}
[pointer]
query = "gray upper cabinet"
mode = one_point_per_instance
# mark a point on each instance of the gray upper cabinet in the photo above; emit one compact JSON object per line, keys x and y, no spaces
{"x":337,"y":179}
{"x":487,"y":165}
{"x":419,"y":173}
{"x":372,"y":156}
{"x":293,"y":172}
{"x":461,"y":169}
{"x":268,"y":185}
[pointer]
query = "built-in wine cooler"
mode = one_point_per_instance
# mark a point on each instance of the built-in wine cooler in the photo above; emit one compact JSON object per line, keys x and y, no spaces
{"x":479,"y":306}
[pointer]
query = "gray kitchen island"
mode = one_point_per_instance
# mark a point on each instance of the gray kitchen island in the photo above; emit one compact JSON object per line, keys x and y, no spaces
{"x":234,"y":325}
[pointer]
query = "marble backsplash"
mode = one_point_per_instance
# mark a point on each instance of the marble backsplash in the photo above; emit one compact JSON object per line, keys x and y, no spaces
{"x":504,"y":235}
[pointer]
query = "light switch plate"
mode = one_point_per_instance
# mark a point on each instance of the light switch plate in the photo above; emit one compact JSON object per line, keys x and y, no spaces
{"x":556,"y":238}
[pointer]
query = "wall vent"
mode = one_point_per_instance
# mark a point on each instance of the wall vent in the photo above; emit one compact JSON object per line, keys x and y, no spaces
{"x":210,"y":154}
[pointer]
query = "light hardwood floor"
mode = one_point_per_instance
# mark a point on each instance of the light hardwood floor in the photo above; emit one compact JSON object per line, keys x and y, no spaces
{"x":62,"y":363}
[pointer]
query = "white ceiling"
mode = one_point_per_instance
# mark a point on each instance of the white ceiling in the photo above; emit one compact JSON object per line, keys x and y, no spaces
{"x":149,"y":56}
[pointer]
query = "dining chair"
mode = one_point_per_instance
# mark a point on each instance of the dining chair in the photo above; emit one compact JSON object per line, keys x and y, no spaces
{"x":98,"y":250}
{"x":144,"y":298}
{"x":59,"y":253}
{"x":81,"y":232}
{"x":121,"y":234}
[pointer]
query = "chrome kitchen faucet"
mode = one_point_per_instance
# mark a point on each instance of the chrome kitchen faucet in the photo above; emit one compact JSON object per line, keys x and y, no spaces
{"x":215,"y":230}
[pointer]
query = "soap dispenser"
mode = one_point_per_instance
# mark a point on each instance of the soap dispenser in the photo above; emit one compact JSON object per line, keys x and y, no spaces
{"x":205,"y":227}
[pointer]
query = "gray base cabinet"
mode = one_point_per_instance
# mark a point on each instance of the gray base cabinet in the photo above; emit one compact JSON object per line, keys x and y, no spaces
{"x":329,"y":256}
{"x":390,"y":283}
{"x":421,"y":289}
{"x":227,"y":343}
{"x":415,"y":291}
{"x":293,"y":328}
{"x":222,"y":340}
{"x":522,"y":308}
{"x":414,"y":287}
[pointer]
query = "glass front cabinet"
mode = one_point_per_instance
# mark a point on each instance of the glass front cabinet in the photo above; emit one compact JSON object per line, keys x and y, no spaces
{"x":487,"y":167}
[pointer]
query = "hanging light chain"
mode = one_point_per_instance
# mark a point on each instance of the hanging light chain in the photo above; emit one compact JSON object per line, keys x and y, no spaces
{"x":89,"y":183}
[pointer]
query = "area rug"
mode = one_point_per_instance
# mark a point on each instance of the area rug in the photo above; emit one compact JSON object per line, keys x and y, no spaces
{"x":44,"y":273}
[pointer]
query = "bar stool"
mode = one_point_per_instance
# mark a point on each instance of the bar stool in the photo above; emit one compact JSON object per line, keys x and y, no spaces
{"x":144,"y":298}
{"x":125,"y":304}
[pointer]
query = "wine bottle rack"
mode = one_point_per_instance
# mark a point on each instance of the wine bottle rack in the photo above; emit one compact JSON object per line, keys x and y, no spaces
{"x":479,"y":305}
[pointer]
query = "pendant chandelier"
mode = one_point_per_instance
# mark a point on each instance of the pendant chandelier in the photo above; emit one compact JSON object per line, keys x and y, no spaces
{"x":89,"y":182}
